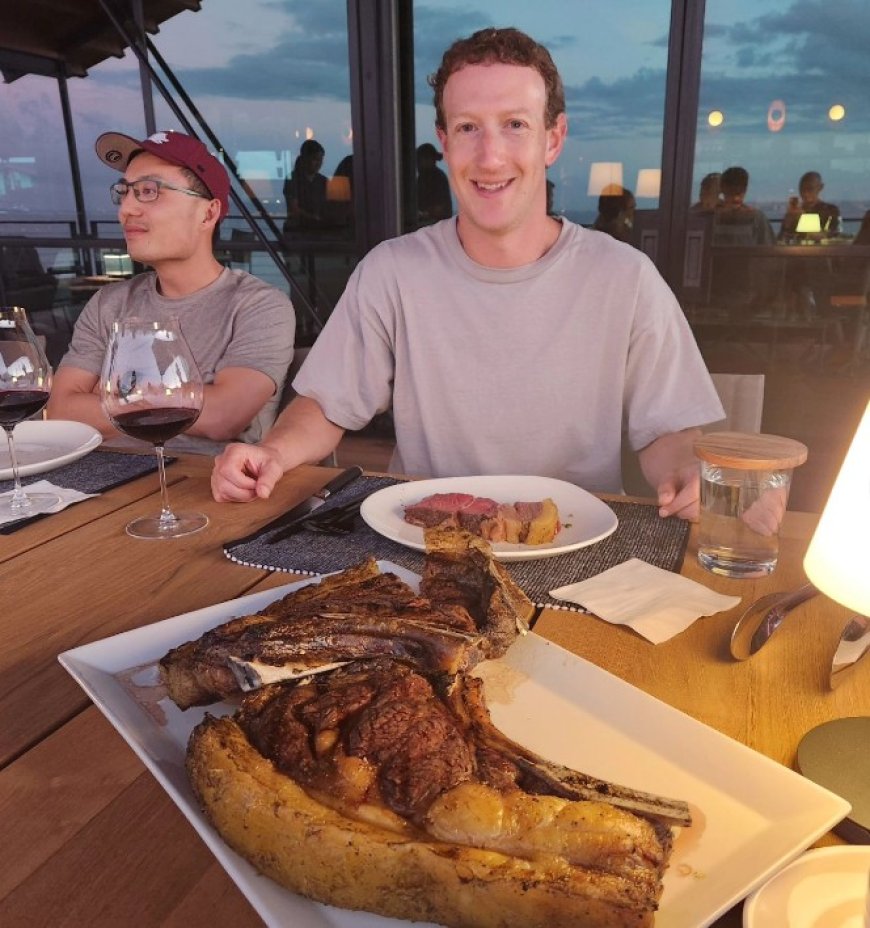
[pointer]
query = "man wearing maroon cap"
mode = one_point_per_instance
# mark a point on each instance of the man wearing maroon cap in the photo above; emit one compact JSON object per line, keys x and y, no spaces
{"x":172,"y":196}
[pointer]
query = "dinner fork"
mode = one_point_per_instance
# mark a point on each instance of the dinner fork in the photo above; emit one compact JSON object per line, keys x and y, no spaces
{"x":337,"y":521}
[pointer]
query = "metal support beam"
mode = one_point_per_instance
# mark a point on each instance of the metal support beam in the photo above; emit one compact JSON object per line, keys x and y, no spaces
{"x":375,"y":112}
{"x":86,"y":259}
{"x":144,"y":76}
{"x":678,"y":143}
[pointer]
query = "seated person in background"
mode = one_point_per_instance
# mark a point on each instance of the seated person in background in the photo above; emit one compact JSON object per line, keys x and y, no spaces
{"x":810,"y":188}
{"x":616,"y":207}
{"x":305,"y":189}
{"x":735,"y":222}
{"x":240,"y":330}
{"x":708,"y":194}
{"x":863,"y":235}
{"x":737,"y":280}
{"x":433,"y":188}
{"x":505,"y":341}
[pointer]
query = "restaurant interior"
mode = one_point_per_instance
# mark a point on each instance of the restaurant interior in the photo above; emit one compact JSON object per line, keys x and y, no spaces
{"x":725,"y":139}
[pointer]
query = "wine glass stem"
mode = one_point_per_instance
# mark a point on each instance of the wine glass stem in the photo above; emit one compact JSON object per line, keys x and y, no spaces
{"x":19,"y":499}
{"x":167,"y":516}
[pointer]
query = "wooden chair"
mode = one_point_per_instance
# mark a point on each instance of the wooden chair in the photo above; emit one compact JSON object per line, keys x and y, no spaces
{"x":742,"y":396}
{"x":855,"y":304}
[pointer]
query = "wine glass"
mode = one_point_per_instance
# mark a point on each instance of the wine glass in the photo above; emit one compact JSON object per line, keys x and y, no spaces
{"x":151,"y":389}
{"x":25,"y":386}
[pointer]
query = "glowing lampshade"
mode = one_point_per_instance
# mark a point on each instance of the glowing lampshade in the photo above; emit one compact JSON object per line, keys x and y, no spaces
{"x":649,"y":182}
{"x":605,"y":177}
{"x":338,"y":189}
{"x":838,"y":559}
{"x":809,"y":222}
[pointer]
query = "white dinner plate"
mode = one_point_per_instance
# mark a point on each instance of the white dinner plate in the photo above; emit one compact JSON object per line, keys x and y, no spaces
{"x":825,"y":888}
{"x":45,"y":444}
{"x":585,"y":518}
{"x":751,"y":815}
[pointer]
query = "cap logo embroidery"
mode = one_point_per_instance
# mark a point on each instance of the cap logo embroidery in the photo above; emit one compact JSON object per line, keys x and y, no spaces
{"x":113,"y":156}
{"x":159,"y":138}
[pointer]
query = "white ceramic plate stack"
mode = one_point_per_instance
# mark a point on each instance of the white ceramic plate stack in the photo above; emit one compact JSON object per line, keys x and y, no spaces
{"x":44,"y":445}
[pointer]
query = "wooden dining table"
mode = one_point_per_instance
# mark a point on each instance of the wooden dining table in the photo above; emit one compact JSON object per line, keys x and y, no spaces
{"x":91,"y":839}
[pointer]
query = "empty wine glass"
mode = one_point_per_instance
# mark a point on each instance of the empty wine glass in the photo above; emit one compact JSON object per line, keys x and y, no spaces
{"x":25,"y":386}
{"x":151,"y":389}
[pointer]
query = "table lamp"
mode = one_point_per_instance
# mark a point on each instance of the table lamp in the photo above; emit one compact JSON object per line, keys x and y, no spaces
{"x":809,"y":222}
{"x":837,"y":753}
{"x":338,"y":189}
{"x":838,"y":558}
{"x":604,"y":177}
{"x":649,"y":183}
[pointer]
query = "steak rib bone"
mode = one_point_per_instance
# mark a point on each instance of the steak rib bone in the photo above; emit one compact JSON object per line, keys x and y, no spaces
{"x":465,"y":697}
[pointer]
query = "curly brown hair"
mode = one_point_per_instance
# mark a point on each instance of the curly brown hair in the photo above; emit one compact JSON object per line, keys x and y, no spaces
{"x":502,"y":46}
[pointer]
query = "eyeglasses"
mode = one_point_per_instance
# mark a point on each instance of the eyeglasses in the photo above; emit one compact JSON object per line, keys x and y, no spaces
{"x":147,"y":190}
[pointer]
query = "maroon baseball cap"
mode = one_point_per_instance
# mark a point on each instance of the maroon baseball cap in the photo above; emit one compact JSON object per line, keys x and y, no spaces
{"x":115,"y":148}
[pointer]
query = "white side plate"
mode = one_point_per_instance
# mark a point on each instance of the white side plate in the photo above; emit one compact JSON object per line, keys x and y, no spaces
{"x":43,"y":445}
{"x":829,"y":886}
{"x":585,"y":518}
{"x":751,"y":815}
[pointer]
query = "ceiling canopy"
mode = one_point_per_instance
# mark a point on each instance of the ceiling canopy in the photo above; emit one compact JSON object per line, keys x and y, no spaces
{"x":54,"y":37}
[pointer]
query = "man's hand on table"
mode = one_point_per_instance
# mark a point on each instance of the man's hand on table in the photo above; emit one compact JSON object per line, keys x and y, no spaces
{"x":679,"y":494}
{"x":245,"y":472}
{"x":669,"y":465}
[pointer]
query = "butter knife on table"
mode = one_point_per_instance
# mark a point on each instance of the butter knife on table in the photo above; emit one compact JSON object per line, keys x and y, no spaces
{"x":302,"y":510}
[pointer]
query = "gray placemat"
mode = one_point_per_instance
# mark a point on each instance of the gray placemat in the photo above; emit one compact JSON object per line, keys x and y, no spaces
{"x":641,"y":533}
{"x":93,"y":473}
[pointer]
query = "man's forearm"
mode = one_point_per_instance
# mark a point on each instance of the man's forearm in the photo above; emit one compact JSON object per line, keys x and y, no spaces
{"x":667,"y":455}
{"x":302,"y":434}
{"x":81,"y":407}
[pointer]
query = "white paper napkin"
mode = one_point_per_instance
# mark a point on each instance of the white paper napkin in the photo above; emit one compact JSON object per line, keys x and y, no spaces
{"x":67,"y":498}
{"x":656,"y":603}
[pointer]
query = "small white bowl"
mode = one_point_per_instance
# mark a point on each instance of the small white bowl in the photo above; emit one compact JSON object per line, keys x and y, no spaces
{"x":825,"y":888}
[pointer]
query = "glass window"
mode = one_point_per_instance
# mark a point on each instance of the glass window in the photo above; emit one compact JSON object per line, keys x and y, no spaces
{"x":781,"y":187}
{"x":272,"y":81}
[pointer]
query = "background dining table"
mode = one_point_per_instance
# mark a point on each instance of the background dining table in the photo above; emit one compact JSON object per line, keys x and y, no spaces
{"x":90,"y":838}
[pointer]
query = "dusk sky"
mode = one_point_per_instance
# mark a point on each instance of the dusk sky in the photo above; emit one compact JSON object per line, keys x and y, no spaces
{"x":264,"y":72}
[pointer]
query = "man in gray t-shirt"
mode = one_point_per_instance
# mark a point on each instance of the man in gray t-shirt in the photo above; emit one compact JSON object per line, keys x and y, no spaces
{"x":505,"y":341}
{"x":240,"y":330}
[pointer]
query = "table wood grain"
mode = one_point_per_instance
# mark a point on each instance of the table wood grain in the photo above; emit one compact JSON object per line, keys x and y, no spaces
{"x":92,"y":839}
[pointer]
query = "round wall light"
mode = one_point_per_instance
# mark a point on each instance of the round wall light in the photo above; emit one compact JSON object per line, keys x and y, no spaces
{"x":776,"y":115}
{"x":715,"y":118}
{"x":837,"y":112}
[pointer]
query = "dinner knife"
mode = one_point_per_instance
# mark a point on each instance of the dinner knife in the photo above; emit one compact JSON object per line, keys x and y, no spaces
{"x":304,"y":509}
{"x":853,"y":645}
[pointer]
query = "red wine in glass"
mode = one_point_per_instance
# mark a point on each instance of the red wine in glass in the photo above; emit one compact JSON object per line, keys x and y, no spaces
{"x":25,"y":386}
{"x":152,"y":390}
{"x":155,"y":425}
{"x":18,"y":405}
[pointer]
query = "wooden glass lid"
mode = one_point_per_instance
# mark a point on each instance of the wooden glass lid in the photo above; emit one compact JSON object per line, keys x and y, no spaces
{"x":750,"y":451}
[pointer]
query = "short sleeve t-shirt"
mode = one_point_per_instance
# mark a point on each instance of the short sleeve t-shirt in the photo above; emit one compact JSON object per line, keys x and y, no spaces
{"x":236,"y":321}
{"x":529,"y":370}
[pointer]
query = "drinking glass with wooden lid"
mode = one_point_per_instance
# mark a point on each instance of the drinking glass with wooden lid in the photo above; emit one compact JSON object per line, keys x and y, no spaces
{"x":745,"y":481}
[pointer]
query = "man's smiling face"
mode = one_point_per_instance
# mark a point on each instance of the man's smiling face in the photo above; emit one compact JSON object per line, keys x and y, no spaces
{"x":497,"y":148}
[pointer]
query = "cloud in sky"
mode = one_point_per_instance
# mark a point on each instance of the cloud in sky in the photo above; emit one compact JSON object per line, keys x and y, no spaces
{"x":747,"y":64}
{"x":810,"y":53}
{"x":309,"y":60}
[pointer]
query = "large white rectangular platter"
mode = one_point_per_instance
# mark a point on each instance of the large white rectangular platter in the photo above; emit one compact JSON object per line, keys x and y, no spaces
{"x":751,"y":815}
